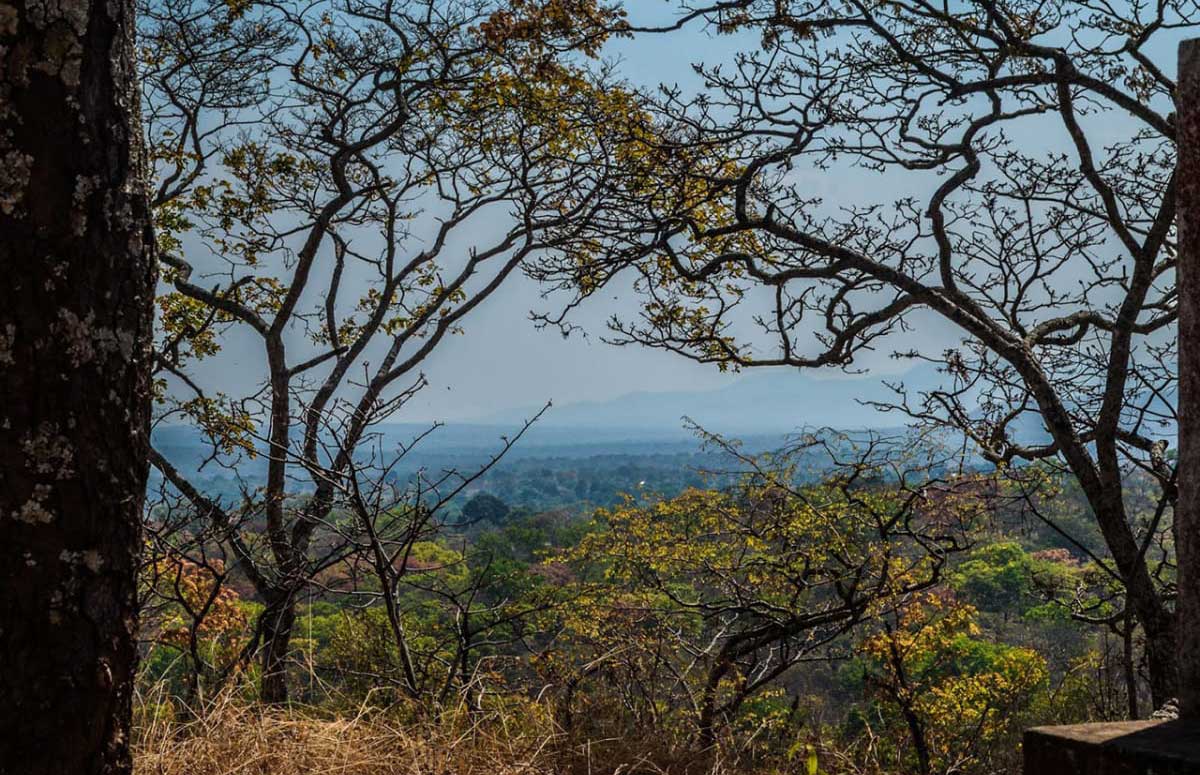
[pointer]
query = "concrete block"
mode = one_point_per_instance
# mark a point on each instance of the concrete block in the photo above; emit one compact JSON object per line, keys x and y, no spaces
{"x":1114,"y":748}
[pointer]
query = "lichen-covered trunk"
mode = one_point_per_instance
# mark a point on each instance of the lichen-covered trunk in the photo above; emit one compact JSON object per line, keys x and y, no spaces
{"x":1187,"y":512}
{"x":76,"y":296}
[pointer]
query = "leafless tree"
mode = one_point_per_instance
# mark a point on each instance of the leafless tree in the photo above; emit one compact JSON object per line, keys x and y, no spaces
{"x":1033,"y":144}
{"x":188,"y":604}
{"x":392,"y":520}
{"x":342,"y":184}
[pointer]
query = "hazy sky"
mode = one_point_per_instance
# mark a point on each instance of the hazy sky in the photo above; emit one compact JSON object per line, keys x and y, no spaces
{"x":503,"y":362}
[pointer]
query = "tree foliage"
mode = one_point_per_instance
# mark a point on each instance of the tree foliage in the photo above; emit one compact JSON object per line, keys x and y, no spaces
{"x":729,"y":590}
{"x":1032,"y":151}
{"x":328,"y":179}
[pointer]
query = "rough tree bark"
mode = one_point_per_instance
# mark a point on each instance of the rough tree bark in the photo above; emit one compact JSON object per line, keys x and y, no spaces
{"x":1187,"y":513}
{"x":277,"y":622}
{"x":75,"y":327}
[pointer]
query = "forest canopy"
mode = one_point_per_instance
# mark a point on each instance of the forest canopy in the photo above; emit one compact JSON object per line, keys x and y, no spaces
{"x":974,"y":203}
{"x":333,"y":159}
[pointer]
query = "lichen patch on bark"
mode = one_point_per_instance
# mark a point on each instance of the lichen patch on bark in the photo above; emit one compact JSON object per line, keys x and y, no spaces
{"x":10,"y":22}
{"x":48,"y":452}
{"x":15,"y":168}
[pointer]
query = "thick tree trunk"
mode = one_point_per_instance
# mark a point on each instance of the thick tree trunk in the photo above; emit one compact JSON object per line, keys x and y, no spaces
{"x":1187,"y":512}
{"x":1146,"y":601}
{"x":75,"y":327}
{"x":1141,"y":594}
{"x":1103,"y":486}
{"x":278,"y":621}
{"x":706,"y":723}
{"x":916,"y":733}
{"x":1128,"y":666}
{"x":1162,"y":662}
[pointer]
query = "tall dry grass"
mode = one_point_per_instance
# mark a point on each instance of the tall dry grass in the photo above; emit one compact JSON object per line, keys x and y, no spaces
{"x":232,"y":735}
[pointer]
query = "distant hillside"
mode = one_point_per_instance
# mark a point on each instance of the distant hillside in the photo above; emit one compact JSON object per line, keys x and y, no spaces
{"x":764,"y":405}
{"x":637,"y":434}
{"x":772,"y":401}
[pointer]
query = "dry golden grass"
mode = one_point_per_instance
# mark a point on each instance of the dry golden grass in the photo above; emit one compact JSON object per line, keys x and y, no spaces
{"x":231,"y":737}
{"x":231,"y":734}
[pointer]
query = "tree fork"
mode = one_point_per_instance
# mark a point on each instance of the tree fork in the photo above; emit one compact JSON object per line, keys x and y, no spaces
{"x":76,"y":305}
{"x":1187,"y":513}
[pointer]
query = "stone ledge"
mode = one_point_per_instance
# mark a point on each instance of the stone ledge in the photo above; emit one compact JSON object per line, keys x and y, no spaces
{"x":1114,"y":748}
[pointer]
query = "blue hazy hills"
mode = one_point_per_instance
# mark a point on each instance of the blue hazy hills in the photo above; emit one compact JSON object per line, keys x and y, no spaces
{"x":761,"y":408}
{"x":764,"y":406}
{"x":763,"y":402}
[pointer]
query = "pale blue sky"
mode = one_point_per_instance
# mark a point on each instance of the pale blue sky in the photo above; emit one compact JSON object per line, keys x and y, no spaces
{"x":503,"y":362}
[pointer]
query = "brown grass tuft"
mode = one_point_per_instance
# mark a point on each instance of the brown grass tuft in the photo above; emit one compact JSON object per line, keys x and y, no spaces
{"x":231,"y":737}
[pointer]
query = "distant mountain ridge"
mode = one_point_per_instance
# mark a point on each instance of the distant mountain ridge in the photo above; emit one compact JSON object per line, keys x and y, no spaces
{"x":762,"y":409}
{"x":765,"y":402}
